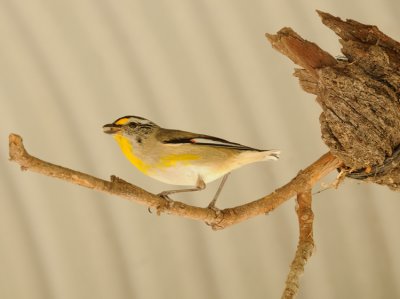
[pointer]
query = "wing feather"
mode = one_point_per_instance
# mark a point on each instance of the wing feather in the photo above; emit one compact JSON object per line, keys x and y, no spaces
{"x":181,"y":137}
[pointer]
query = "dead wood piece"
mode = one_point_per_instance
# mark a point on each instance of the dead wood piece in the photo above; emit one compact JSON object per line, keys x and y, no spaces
{"x":360,"y":97}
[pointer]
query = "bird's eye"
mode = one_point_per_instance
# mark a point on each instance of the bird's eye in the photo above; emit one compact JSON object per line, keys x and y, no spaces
{"x":132,"y":125}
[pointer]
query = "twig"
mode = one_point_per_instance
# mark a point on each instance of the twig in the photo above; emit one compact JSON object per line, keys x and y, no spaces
{"x":217,"y":219}
{"x":305,"y":246}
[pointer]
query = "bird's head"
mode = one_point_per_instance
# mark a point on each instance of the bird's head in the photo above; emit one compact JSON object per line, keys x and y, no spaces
{"x":130,"y":125}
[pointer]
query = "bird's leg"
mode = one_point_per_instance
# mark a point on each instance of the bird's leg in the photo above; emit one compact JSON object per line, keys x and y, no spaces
{"x":211,"y":205}
{"x":200,"y":185}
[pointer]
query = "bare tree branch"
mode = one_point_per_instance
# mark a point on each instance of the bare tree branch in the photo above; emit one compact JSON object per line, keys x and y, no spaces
{"x":305,"y":246}
{"x":217,"y":219}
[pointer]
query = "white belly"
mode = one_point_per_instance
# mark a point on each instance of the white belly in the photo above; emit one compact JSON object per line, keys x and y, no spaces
{"x":184,"y":175}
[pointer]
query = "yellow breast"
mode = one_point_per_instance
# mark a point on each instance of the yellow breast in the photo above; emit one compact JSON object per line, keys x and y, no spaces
{"x":166,"y":161}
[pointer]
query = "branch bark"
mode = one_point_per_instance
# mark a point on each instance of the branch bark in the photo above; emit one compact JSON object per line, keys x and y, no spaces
{"x":218,"y":219}
{"x":305,"y":246}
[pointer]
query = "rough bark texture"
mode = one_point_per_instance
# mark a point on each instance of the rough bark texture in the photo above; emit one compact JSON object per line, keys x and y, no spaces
{"x":359,"y":96}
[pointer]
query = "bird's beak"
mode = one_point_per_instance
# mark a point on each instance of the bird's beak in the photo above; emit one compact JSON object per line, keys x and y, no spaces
{"x":111,"y":128}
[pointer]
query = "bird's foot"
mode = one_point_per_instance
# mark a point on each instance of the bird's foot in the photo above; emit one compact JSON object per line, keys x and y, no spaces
{"x":163,"y":206}
{"x":217,"y":218}
{"x":164,"y":195}
{"x":215,"y":209}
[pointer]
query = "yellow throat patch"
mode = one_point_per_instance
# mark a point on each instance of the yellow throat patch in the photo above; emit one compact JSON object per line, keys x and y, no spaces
{"x":126,"y":148}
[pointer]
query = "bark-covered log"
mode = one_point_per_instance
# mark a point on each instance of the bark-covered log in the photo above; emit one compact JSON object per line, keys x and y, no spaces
{"x":359,"y":96}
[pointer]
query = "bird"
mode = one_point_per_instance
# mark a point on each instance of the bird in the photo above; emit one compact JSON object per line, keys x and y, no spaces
{"x":181,"y":158}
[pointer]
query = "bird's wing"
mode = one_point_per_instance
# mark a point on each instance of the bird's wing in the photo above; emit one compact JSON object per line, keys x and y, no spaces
{"x":172,"y":137}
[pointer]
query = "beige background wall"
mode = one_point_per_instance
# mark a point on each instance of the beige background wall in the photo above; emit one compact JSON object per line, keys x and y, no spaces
{"x":69,"y":66}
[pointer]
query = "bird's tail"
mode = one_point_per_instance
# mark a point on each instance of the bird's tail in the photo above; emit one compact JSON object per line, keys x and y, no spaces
{"x":247,"y":157}
{"x":270,"y":155}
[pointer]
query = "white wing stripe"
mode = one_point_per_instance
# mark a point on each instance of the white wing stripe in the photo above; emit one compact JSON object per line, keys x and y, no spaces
{"x":211,"y":141}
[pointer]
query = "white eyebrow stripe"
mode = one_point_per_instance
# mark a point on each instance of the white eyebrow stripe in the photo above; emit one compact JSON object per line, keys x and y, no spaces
{"x":139,"y":120}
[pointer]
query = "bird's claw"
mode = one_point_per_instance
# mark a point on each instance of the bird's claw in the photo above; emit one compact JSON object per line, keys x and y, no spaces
{"x":218,"y":217}
{"x":215,"y":209}
{"x":163,"y":206}
{"x":165,"y":196}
